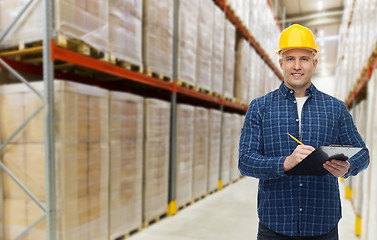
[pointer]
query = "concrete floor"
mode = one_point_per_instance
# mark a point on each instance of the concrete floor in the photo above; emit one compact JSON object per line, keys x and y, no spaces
{"x":226,"y":215}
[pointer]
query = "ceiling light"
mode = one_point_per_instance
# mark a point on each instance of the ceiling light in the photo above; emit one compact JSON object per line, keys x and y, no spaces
{"x":320,"y":6}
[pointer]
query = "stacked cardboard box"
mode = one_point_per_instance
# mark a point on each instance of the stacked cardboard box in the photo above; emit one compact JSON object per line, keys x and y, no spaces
{"x":229,"y":59}
{"x":218,"y":51}
{"x":214,"y":134}
{"x":236,"y":134}
{"x":82,"y":160}
{"x":125,"y":30}
{"x":199,"y":184}
{"x":204,"y":47}
{"x":156,"y":158}
{"x":126,"y":163}
{"x":184,"y":154}
{"x":158,"y":36}
{"x":109,"y":26}
{"x":242,"y":74}
{"x":187,"y":40}
{"x":226,"y":148}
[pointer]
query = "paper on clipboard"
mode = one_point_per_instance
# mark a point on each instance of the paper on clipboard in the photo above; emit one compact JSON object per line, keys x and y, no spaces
{"x":313,"y":163}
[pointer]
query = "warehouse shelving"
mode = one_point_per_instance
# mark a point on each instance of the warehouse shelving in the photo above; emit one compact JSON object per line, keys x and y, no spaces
{"x":245,"y":32}
{"x":50,"y":52}
{"x":362,"y":81}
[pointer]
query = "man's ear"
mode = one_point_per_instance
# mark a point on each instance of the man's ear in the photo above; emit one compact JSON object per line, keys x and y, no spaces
{"x":315,"y":62}
{"x":281,"y":63}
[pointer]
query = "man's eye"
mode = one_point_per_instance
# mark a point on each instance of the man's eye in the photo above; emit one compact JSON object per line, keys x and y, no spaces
{"x":289,"y":59}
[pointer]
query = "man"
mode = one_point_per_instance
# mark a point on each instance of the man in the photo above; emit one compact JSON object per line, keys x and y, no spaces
{"x":297,"y":207}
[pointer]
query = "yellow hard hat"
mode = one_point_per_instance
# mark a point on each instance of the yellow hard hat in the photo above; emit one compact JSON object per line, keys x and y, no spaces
{"x":297,"y":36}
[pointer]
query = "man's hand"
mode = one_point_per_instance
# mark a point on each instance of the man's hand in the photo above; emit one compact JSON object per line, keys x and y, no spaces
{"x":337,"y":168}
{"x":297,"y":156}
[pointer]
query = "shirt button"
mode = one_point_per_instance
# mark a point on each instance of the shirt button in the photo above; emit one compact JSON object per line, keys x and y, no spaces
{"x":291,"y":91}
{"x":294,"y":101}
{"x":300,"y":209}
{"x":300,"y":184}
{"x":297,"y":120}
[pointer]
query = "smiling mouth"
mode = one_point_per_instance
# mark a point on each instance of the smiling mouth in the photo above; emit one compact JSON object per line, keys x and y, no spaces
{"x":297,"y":75}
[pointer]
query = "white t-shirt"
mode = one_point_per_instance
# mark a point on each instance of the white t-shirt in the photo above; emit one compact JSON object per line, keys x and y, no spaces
{"x":300,"y":104}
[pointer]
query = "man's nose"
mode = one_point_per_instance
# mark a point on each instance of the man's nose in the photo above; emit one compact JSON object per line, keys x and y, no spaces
{"x":297,"y":65}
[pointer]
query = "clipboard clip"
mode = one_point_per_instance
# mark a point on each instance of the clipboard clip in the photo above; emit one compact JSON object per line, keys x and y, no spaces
{"x":336,"y":145}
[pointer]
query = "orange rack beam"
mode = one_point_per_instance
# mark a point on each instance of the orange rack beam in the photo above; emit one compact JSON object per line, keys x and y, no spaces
{"x":58,"y":53}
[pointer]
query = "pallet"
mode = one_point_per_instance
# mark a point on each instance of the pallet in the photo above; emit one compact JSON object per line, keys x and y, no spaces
{"x":155,"y":220}
{"x":200,"y":198}
{"x":79,"y":46}
{"x":24,"y":51}
{"x":185,"y":205}
{"x":205,"y":91}
{"x":153,"y":74}
{"x":186,"y":85}
{"x":129,"y":66}
{"x":127,"y":235}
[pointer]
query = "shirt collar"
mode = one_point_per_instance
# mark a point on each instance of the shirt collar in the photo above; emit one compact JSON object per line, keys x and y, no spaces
{"x":290,"y":93}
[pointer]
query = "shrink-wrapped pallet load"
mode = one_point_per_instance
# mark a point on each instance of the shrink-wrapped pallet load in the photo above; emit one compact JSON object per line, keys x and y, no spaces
{"x":158,"y":36}
{"x":125,"y":30}
{"x":199,"y":184}
{"x":218,"y":51}
{"x":236,"y":134}
{"x":214,"y":134}
{"x":81,"y":155}
{"x":253,"y":79}
{"x":204,"y":46}
{"x":126,"y":163}
{"x":184,"y":154}
{"x":226,"y":148}
{"x":242,"y":74}
{"x":156,"y":158}
{"x":108,"y":26}
{"x":187,"y":40}
{"x":229,"y":59}
{"x":27,"y":29}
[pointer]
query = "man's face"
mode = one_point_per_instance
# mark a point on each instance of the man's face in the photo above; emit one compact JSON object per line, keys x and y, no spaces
{"x":298,"y":66}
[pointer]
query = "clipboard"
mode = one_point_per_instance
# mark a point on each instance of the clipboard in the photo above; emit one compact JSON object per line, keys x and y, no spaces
{"x":313,"y":164}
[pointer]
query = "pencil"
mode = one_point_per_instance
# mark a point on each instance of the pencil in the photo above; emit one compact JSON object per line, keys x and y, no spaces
{"x":295,"y":139}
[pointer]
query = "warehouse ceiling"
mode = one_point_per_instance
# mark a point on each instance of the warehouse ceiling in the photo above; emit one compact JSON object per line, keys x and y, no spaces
{"x":323,"y":18}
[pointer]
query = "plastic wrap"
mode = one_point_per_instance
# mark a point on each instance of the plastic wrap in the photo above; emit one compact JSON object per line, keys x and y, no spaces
{"x":236,"y":134}
{"x":126,"y":163}
{"x":229,"y":59}
{"x":204,"y":46}
{"x":158,"y":36}
{"x":254,"y":80}
{"x":217,"y":74}
{"x":156,"y":158}
{"x":28,"y":28}
{"x":214,"y":133}
{"x":226,"y":147}
{"x":199,"y":183}
{"x":187,"y":40}
{"x":82,"y":160}
{"x":125,"y":30}
{"x":109,"y":26}
{"x":242,"y":74}
{"x":184,"y":154}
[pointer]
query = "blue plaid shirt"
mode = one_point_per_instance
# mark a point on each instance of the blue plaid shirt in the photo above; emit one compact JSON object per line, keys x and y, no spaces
{"x":296,"y":205}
